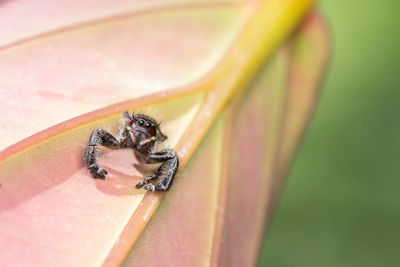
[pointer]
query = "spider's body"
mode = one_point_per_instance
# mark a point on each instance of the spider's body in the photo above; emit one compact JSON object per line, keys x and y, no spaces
{"x":140,"y":132}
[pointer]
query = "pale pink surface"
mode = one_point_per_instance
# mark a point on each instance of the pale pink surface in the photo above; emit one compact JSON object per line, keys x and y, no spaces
{"x":34,"y":230}
{"x":304,"y":81}
{"x":51,"y":79}
{"x":262,"y":150}
{"x":52,"y":210}
{"x":255,"y":140}
{"x":53,"y":220}
{"x":25,"y":19}
{"x":309,"y":57}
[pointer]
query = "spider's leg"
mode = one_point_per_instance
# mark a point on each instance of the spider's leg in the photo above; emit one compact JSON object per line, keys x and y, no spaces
{"x":167,"y":170}
{"x":147,"y":179}
{"x":98,"y":137}
{"x":154,"y":158}
{"x":160,"y":156}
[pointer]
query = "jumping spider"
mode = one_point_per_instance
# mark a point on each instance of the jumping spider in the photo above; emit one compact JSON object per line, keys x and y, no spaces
{"x":141,"y":133}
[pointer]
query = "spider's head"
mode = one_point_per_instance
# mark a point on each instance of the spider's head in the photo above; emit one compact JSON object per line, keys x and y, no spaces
{"x":144,"y":127}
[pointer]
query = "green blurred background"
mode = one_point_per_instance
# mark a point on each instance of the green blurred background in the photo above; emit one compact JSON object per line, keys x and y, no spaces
{"x":341,"y":204}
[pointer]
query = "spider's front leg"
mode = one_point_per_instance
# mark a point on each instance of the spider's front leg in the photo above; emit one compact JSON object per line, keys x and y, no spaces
{"x":166,"y":172}
{"x":98,"y":137}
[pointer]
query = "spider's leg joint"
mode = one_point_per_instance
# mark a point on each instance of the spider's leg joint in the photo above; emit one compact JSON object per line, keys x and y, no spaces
{"x":98,"y":137}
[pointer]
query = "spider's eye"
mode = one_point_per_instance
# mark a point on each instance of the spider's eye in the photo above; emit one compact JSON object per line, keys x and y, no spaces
{"x":141,"y":122}
{"x":147,"y":125}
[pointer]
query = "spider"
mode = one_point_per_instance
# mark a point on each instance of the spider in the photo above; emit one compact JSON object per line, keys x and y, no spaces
{"x":141,"y":133}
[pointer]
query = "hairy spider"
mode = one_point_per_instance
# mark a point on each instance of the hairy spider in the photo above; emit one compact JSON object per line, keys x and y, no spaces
{"x":141,"y":133}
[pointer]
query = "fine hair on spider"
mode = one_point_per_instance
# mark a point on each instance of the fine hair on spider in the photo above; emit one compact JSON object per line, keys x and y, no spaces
{"x":148,"y":111}
{"x":143,"y":134}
